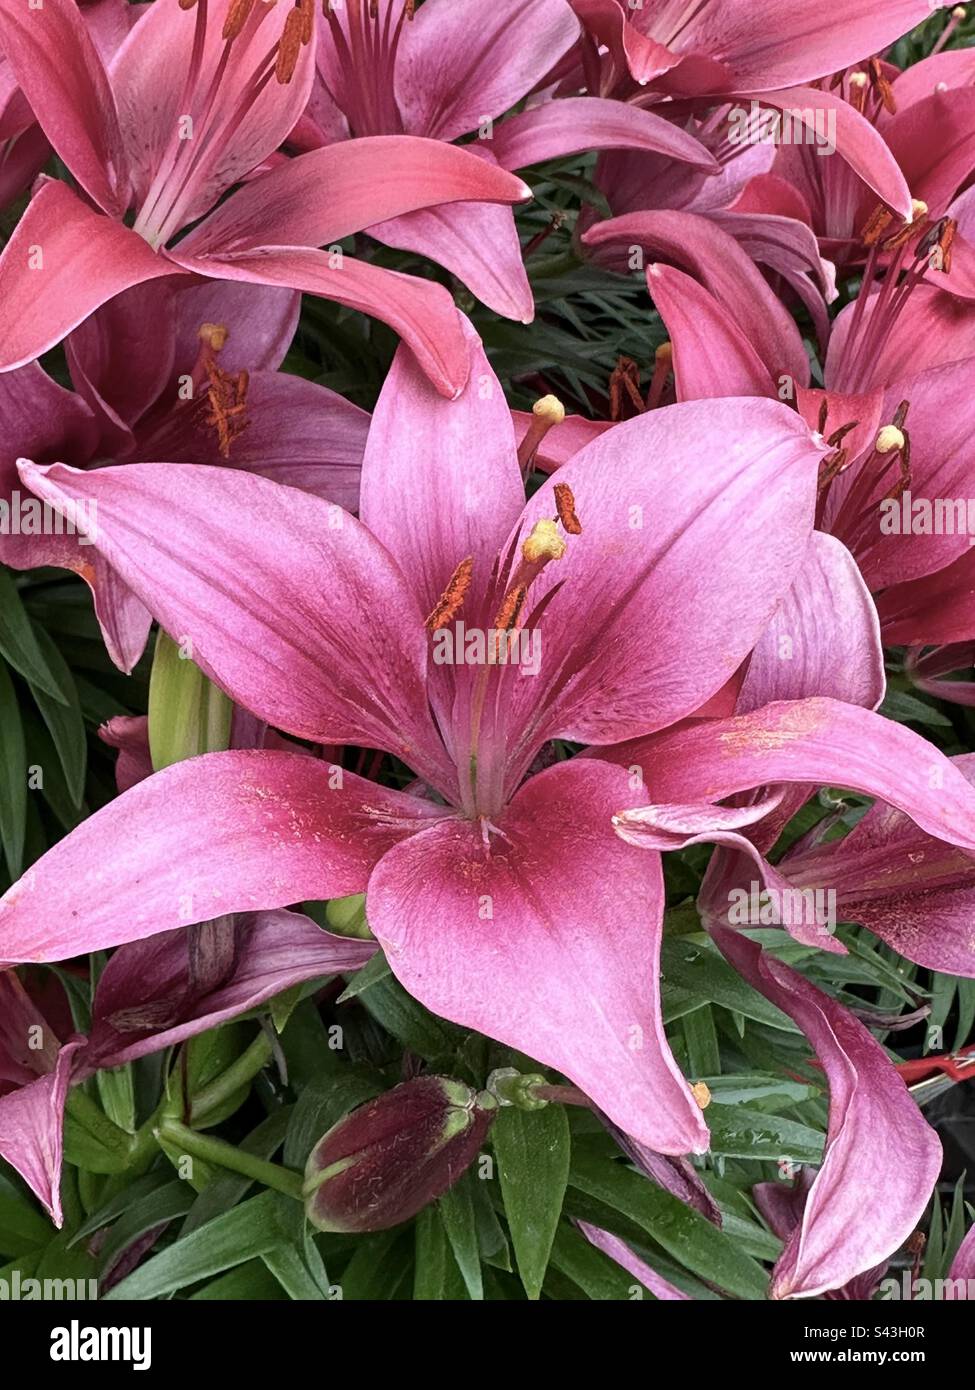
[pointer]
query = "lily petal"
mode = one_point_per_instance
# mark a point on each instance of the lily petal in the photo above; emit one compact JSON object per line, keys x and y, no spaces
{"x":137,"y":1002}
{"x":59,"y":70}
{"x":278,"y":592}
{"x":460,"y":63}
{"x":574,"y":125}
{"x":221,"y":833}
{"x":548,"y":941}
{"x":847,"y":1226}
{"x":62,"y":262}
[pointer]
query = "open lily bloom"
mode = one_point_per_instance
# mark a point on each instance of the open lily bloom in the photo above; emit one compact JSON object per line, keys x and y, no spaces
{"x":501,"y":894}
{"x":193,"y":103}
{"x":178,"y":370}
{"x":898,"y":460}
{"x":454,"y":68}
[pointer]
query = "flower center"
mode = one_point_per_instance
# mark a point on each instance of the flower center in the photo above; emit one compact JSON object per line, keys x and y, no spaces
{"x":361,"y":78}
{"x":213,"y":104}
{"x":892,"y":273}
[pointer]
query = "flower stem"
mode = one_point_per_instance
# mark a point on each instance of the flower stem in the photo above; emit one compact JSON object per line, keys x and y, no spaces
{"x":246,"y":1067}
{"x":222,"y":1155}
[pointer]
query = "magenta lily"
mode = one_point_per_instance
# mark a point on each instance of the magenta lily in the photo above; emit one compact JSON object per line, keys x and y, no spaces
{"x":176,"y":370}
{"x":454,"y":68}
{"x":504,"y":900}
{"x":191,"y":105}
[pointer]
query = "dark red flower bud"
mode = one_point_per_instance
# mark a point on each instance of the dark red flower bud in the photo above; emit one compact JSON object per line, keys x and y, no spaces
{"x":389,"y":1158}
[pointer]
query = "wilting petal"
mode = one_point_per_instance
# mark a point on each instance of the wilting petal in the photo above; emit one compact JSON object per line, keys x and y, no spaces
{"x":823,"y":640}
{"x":142,"y":1002}
{"x":461,"y":63}
{"x":297,"y":433}
{"x":291,"y":605}
{"x":421,"y":312}
{"x":328,"y":194}
{"x":62,"y":262}
{"x":549,"y":942}
{"x":712,"y":356}
{"x":58,"y":68}
{"x":221,"y":833}
{"x":711,"y":255}
{"x":618,"y":1250}
{"x":32,"y":1130}
{"x":659,"y":599}
{"x":816,"y":742}
{"x":848,"y":1226}
{"x":574,"y":125}
{"x":477,"y":242}
{"x":668,"y":827}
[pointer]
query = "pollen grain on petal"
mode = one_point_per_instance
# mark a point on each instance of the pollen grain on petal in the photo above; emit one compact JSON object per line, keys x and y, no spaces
{"x":565,"y":505}
{"x":450,"y":602}
{"x":511,"y":608}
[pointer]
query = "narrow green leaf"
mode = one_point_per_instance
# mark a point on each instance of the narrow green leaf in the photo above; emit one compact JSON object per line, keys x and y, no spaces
{"x":702,"y":972}
{"x":13,"y":776}
{"x":64,"y":720}
{"x":532,"y":1149}
{"x":683,"y":1232}
{"x":19,"y":645}
{"x":740,"y":1132}
{"x":248,"y":1231}
{"x":457,"y":1213}
{"x":596,"y":1274}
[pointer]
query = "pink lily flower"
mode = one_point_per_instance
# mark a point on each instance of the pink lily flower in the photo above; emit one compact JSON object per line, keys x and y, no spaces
{"x":891,"y":443}
{"x":504,"y":900}
{"x":190,"y":106}
{"x":477,"y":892}
{"x":713,"y":47}
{"x":176,"y":370}
{"x":452,"y":69}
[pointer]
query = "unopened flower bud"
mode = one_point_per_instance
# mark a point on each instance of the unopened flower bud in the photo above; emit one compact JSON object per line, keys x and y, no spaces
{"x":389,"y":1158}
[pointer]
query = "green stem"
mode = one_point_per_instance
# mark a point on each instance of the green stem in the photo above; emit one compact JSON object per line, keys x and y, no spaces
{"x":252,"y":1060}
{"x":222,"y":1155}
